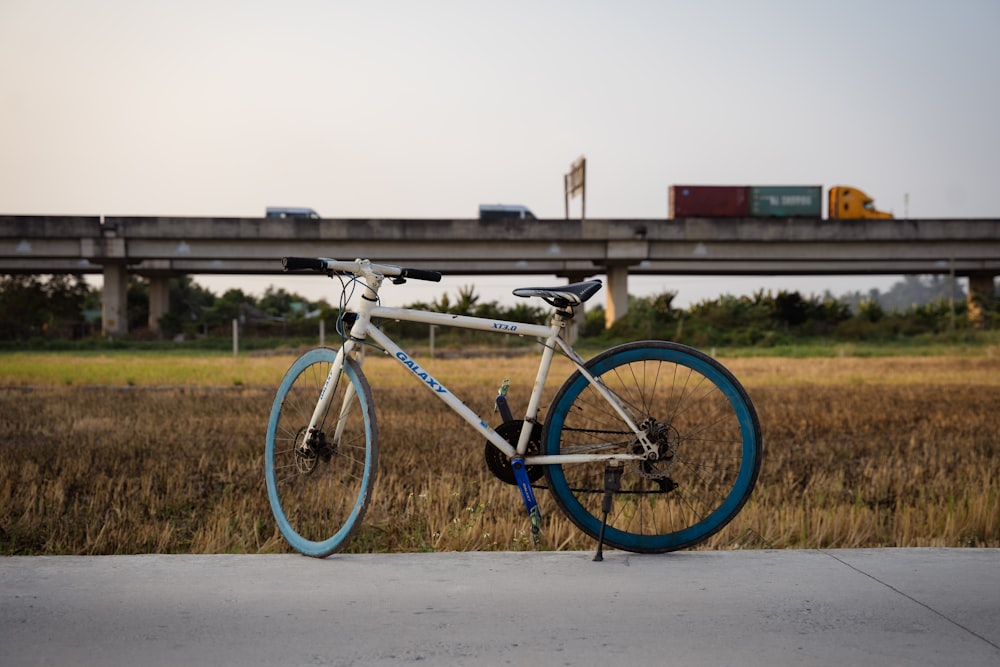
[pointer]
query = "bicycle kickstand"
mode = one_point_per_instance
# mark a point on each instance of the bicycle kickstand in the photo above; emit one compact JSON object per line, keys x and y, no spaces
{"x":612,"y":483}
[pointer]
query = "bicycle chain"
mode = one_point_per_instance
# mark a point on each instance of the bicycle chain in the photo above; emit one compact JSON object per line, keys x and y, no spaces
{"x":667,"y":485}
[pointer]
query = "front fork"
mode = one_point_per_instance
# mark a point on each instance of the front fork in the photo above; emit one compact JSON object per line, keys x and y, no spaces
{"x":335,"y":377}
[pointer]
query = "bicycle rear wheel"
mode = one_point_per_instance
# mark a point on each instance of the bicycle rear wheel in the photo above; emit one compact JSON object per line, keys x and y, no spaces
{"x":707,"y":435}
{"x":319,"y":486}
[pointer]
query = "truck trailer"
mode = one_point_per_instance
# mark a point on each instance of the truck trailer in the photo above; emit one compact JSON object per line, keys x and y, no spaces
{"x":769,"y":201}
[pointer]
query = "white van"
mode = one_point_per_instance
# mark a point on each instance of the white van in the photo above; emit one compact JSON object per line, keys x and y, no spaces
{"x":504,"y":212}
{"x":291,"y":212}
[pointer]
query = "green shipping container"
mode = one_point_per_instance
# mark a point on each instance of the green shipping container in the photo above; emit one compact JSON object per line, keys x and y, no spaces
{"x":805,"y":201}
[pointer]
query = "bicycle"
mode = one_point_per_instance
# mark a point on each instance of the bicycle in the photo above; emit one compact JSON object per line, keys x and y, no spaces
{"x":648,"y":447}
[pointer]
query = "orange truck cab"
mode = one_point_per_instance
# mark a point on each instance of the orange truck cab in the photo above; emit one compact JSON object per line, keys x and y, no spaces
{"x":851,"y":203}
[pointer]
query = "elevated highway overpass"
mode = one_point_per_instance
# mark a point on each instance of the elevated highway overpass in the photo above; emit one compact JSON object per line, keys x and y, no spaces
{"x":161,"y":247}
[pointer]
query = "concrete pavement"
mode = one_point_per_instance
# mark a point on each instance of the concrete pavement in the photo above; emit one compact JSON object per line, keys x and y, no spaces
{"x":747,"y":608}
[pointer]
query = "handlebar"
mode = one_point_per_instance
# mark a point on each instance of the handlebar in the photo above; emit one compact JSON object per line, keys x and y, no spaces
{"x":303,"y":264}
{"x":357,"y":267}
{"x":421,"y":274}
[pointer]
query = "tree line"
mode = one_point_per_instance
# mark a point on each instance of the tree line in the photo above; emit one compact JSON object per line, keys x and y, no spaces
{"x":60,"y":307}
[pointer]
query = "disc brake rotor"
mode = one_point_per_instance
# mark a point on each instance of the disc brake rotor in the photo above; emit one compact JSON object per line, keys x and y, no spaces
{"x":667,"y":440}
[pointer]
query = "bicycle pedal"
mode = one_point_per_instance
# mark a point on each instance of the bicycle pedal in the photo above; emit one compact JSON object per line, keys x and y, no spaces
{"x":536,"y":526}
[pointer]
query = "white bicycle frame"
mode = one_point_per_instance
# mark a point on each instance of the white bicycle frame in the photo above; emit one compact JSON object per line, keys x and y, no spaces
{"x":363,"y":329}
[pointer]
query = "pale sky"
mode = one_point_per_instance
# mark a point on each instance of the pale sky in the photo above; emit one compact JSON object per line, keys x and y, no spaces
{"x":403,"y":109}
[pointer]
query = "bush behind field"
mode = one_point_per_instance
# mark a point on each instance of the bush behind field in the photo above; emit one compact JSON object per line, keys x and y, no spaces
{"x":59,"y":313}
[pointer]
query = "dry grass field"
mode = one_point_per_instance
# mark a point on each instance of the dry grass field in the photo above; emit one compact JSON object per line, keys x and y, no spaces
{"x":127,"y":454}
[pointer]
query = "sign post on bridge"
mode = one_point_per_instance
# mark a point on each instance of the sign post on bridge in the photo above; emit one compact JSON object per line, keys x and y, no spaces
{"x":575,"y":183}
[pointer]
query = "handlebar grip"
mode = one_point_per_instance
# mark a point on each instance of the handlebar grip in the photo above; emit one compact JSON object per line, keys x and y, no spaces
{"x":421,"y":274}
{"x":303,"y":264}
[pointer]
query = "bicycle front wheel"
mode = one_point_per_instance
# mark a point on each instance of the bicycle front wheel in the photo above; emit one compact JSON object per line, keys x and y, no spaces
{"x":705,"y":430}
{"x":319,"y":485}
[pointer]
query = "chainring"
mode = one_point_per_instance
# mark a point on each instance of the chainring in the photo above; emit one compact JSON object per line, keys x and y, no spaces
{"x":499,"y":464}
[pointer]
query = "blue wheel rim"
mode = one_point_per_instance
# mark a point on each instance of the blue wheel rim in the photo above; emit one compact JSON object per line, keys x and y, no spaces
{"x":718,"y":517}
{"x":299,"y":543}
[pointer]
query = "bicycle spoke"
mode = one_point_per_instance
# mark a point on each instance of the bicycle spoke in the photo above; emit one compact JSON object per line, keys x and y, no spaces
{"x":695,"y":417}
{"x":319,"y":489}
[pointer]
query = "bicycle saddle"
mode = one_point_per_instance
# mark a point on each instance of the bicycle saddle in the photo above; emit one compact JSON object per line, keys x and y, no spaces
{"x":564,"y":295}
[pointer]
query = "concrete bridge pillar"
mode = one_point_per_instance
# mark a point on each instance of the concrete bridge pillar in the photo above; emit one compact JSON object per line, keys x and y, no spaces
{"x":980,"y":295}
{"x":159,"y":301}
{"x":114,"y":301}
{"x":616,"y":297}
